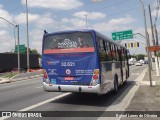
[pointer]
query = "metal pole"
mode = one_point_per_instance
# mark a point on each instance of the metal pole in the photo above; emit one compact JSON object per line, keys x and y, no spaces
{"x":153,"y":41}
{"x":28,"y":65}
{"x":156,"y":34}
{"x":18,"y":48}
{"x":86,"y":21}
{"x":147,"y":41}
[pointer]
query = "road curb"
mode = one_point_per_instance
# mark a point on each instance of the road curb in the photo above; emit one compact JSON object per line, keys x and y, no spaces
{"x":25,"y":78}
{"x":2,"y":81}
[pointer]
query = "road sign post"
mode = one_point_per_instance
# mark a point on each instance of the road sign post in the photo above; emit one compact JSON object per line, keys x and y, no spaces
{"x":128,"y":34}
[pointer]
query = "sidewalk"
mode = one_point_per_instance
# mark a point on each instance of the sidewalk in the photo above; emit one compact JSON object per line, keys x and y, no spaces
{"x":146,"y":98}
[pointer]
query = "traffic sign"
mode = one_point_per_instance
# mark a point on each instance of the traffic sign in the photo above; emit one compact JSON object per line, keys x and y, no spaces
{"x":128,"y":34}
{"x":154,"y":48}
{"x":22,"y":48}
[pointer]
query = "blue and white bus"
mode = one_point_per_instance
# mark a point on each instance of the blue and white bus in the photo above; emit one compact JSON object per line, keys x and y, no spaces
{"x":83,"y":61}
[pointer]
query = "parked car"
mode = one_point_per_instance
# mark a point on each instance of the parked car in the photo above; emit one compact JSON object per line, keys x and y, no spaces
{"x":142,"y":61}
{"x":131,"y":63}
{"x":138,"y":63}
{"x":145,"y":61}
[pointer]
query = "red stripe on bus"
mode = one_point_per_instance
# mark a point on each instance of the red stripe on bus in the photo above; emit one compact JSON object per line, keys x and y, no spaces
{"x":71,"y":50}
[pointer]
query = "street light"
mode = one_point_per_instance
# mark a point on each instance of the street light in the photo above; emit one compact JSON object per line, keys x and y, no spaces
{"x":17,"y":26}
{"x":139,"y":34}
{"x":28,"y":66}
{"x":86,"y":21}
{"x":147,"y":41}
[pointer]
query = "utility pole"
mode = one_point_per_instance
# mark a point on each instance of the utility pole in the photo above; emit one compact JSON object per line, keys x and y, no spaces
{"x":28,"y":65}
{"x":153,"y":41}
{"x":147,"y":42}
{"x":18,"y":48}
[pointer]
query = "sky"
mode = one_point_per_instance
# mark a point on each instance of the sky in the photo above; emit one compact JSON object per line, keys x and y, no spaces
{"x":105,"y":16}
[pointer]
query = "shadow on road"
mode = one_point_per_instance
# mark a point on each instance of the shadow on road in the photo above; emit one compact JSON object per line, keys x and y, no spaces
{"x":94,"y":99}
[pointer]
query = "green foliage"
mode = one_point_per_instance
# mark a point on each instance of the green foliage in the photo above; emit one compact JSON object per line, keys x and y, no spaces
{"x":140,"y":56}
{"x":34,"y":51}
{"x":9,"y":75}
{"x":103,"y":56}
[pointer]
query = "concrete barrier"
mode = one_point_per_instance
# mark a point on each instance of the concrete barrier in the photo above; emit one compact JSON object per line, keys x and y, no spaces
{"x":5,"y":80}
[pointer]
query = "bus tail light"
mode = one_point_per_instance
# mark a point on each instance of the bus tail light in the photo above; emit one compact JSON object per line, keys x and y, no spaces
{"x":45,"y":77}
{"x":96,"y":72}
{"x":95,"y":77}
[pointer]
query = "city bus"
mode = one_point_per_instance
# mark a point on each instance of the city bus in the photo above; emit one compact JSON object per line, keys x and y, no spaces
{"x":83,"y":61}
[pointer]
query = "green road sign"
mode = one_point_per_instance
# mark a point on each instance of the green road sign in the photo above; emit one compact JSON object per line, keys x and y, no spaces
{"x":22,"y":48}
{"x":128,"y":34}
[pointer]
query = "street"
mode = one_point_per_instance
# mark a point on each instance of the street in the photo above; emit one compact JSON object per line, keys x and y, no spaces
{"x":18,"y":96}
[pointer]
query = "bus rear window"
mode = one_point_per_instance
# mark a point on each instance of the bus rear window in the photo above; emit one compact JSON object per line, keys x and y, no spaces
{"x":68,"y":43}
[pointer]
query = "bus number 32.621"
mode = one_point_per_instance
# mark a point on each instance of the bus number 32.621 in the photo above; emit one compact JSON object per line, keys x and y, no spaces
{"x":67,"y":63}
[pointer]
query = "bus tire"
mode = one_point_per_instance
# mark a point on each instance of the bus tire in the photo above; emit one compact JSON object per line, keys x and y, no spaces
{"x":125,"y":82}
{"x":115,"y":91}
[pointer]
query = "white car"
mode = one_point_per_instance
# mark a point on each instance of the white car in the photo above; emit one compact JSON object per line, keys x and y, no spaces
{"x":138,"y":63}
{"x":142,"y":61}
{"x":131,"y":63}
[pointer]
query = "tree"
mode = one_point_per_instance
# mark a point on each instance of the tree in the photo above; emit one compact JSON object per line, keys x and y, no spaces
{"x":140,"y":56}
{"x":34,"y":51}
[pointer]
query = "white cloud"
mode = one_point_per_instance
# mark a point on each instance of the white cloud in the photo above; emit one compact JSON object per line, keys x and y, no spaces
{"x":20,"y":19}
{"x":36,"y":42}
{"x":54,"y":4}
{"x":154,"y":13}
{"x":97,"y":0}
{"x":5,"y":15}
{"x":7,"y":42}
{"x":74,"y":22}
{"x":125,"y":20}
{"x":90,"y":15}
{"x":45,"y":20}
{"x":114,"y":24}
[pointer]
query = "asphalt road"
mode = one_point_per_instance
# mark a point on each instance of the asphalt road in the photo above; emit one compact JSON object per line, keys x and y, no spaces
{"x":19,"y":95}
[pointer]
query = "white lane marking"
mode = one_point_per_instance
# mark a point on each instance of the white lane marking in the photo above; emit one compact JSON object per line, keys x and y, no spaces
{"x":25,"y":80}
{"x":8,"y":86}
{"x":121,"y":103}
{"x":39,"y":87}
{"x":19,"y":91}
{"x":39,"y":104}
{"x":134,"y":73}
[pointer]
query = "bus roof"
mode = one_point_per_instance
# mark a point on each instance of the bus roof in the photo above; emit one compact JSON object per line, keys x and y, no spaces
{"x":84,"y":30}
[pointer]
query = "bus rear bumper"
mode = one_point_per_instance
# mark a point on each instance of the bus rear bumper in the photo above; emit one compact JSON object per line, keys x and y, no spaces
{"x":71,"y":88}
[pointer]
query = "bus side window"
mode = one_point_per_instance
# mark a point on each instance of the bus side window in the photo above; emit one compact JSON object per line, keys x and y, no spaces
{"x":102,"y":50}
{"x":110,"y":52}
{"x":115,"y":53}
{"x":119,"y":53}
{"x":123,"y":54}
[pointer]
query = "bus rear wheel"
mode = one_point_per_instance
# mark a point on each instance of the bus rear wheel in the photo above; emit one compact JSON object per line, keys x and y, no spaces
{"x":115,"y":91}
